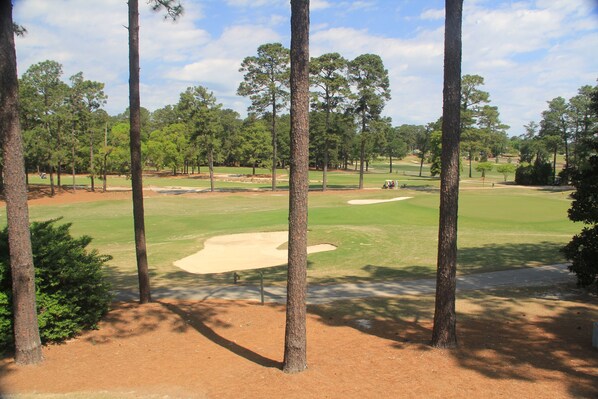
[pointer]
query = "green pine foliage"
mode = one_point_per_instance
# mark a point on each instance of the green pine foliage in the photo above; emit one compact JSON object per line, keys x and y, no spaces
{"x":72,"y":291}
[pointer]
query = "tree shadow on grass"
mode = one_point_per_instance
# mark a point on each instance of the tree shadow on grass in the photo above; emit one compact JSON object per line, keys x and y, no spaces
{"x":199,"y":322}
{"x":493,"y":257}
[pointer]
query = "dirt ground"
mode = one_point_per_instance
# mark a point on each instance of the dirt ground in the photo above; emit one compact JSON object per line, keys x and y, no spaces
{"x":511,"y":345}
{"x":224,"y":349}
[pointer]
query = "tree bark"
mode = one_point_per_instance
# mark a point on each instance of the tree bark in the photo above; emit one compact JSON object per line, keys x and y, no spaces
{"x":444,"y":334}
{"x":274,"y":142}
{"x":26,"y":329}
{"x":136,"y":168}
{"x":211,"y":167}
{"x":295,"y":347}
{"x":361,"y":158}
{"x":91,"y":171}
{"x":325,"y":168}
{"x":105,"y":162}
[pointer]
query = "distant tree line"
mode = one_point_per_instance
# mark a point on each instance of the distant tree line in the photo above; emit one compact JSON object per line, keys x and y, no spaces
{"x":67,"y":132}
{"x":567,"y":128}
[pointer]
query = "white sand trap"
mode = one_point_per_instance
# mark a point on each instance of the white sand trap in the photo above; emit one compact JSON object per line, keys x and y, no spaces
{"x":375,"y":201}
{"x":241,"y":252}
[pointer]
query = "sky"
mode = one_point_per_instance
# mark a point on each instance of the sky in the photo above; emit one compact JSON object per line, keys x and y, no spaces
{"x":527,"y":51}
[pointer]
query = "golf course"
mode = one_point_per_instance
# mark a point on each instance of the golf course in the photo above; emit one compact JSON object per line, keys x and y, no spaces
{"x":501,"y":226}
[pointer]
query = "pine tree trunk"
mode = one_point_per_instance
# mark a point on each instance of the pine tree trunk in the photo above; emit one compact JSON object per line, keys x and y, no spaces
{"x":28,"y":348}
{"x":554,"y":165}
{"x":73,"y":156}
{"x":325,"y":169}
{"x":444,"y":334}
{"x":361,"y":158}
{"x":274,"y":142}
{"x":52,"y":191}
{"x":105,"y":162}
{"x":136,"y":168}
{"x":470,"y":156}
{"x":295,"y":346}
{"x":211,"y":166}
{"x":421,"y":166}
{"x":91,"y":171}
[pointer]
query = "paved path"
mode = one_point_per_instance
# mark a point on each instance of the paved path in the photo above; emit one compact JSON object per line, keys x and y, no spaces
{"x":535,"y":276}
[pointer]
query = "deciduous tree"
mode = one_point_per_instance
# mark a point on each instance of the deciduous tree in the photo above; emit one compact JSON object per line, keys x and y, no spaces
{"x":200,"y":110}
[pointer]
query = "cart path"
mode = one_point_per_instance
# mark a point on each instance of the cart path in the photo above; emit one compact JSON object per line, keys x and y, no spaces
{"x":524,"y":277}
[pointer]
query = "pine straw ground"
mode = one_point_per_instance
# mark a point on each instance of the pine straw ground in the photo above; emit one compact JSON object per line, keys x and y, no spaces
{"x":510,"y":347}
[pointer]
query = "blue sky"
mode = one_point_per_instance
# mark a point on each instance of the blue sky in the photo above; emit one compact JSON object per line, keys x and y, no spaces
{"x":528,"y":51}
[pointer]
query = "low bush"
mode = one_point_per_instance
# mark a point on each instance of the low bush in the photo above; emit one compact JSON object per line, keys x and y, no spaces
{"x":72,"y":293}
{"x":538,"y":174}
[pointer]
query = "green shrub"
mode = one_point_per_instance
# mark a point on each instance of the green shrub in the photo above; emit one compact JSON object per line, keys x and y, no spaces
{"x":582,"y":251}
{"x":538,"y":174}
{"x":72,"y":293}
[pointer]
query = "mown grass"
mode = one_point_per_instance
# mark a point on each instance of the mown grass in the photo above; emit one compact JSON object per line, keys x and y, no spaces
{"x":499,"y":228}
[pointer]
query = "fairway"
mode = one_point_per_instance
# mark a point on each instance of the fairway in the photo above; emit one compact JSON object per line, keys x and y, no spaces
{"x":499,"y":229}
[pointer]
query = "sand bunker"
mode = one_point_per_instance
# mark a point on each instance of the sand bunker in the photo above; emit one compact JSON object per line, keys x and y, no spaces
{"x":241,"y":252}
{"x":375,"y":201}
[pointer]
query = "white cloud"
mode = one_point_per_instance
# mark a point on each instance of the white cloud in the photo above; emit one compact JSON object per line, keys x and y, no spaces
{"x":360,"y":5}
{"x":315,"y":5}
{"x":256,"y":3}
{"x":528,"y":51}
{"x":433,"y":14}
{"x":414,"y":66}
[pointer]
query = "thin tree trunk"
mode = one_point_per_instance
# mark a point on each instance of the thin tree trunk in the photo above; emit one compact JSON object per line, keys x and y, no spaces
{"x":211,"y":167}
{"x":91,"y":171}
{"x":104,"y":174}
{"x":325,"y":169}
{"x":274,"y":142}
{"x":136,"y":168}
{"x":59,"y":166}
{"x":52,"y":190}
{"x":391,"y":164}
{"x":421,"y":166}
{"x":73,"y":155}
{"x":361,"y":158}
{"x":295,"y":346}
{"x":444,"y":334}
{"x":554,"y":165}
{"x":470,"y":155}
{"x":28,"y":348}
